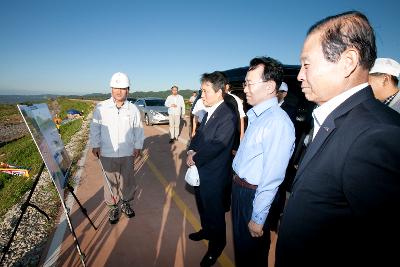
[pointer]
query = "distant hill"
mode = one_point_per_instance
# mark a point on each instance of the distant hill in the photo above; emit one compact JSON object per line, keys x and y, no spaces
{"x":15,"y":99}
{"x":138,"y":94}
{"x":163,"y":94}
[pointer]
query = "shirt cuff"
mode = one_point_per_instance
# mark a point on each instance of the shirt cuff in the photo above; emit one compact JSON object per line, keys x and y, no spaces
{"x":258,"y":219}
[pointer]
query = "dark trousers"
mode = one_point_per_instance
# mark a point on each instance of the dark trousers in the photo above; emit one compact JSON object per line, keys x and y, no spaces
{"x":210,"y":205}
{"x":249,"y":251}
{"x":228,"y":193}
{"x":276,"y":209}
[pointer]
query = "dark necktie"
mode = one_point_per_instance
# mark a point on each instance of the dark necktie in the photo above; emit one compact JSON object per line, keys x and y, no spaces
{"x":204,"y":119}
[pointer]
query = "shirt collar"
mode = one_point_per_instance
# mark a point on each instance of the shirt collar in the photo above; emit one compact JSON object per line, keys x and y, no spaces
{"x":112,"y":103}
{"x":211,"y":109}
{"x":389,"y":99}
{"x":258,"y":109}
{"x":323,"y":111}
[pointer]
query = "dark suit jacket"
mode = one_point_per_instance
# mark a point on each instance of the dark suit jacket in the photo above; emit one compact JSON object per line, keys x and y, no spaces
{"x":232,"y":104}
{"x":290,"y":110}
{"x":213,"y":145}
{"x":345,"y":201}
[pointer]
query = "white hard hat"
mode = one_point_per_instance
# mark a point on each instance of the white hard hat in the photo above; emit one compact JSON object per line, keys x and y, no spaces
{"x":119,"y":80}
{"x":387,"y":66}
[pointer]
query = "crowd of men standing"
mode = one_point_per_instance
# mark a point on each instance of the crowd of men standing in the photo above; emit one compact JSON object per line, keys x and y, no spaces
{"x":346,"y":191}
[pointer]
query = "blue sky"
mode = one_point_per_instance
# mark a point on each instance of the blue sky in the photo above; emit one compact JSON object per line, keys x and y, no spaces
{"x":73,"y":46}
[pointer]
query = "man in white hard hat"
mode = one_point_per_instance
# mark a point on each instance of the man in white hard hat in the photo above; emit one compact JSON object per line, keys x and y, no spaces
{"x":384,"y":79}
{"x":116,"y":137}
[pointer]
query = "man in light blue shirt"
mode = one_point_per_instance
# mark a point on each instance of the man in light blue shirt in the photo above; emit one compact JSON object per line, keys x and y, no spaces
{"x":260,"y":162}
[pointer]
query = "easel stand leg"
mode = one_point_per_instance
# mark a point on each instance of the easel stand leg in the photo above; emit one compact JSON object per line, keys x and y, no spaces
{"x":81,"y":255}
{"x":84,"y":211}
{"x":24,"y":207}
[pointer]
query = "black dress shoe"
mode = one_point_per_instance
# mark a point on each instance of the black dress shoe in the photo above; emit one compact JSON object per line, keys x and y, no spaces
{"x":200,"y":235}
{"x":208,"y":260}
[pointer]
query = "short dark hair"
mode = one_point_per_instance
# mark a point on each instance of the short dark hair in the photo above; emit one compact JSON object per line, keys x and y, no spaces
{"x":345,"y":30}
{"x":174,"y":86}
{"x":217,"y":79}
{"x":393,"y":79}
{"x":273,"y":69}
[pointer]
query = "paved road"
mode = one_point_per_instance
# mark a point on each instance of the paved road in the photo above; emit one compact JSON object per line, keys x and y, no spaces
{"x":165,"y":214}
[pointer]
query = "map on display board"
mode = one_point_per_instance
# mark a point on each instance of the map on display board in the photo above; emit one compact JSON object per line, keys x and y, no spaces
{"x":47,"y":139}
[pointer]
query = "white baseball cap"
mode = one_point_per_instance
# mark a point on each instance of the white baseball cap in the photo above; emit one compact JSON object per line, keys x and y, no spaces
{"x":283,"y":87}
{"x":387,"y":66}
{"x":119,"y":80}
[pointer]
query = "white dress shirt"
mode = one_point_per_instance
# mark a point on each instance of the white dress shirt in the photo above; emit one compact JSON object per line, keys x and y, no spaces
{"x":211,"y":109}
{"x":322,"y":112}
{"x":240,"y":105}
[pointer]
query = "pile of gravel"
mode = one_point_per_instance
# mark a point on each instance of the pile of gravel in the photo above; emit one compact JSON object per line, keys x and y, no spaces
{"x":34,"y":228}
{"x":12,"y":131}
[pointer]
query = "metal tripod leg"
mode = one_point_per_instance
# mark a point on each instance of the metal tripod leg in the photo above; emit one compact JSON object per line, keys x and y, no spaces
{"x":84,"y":211}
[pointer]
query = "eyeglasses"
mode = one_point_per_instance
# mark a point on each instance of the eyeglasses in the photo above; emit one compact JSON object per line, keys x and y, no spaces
{"x":248,"y":84}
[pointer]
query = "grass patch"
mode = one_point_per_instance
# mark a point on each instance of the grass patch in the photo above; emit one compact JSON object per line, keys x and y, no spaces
{"x":7,"y":110}
{"x":66,"y":104}
{"x":69,"y":129}
{"x":22,"y":152}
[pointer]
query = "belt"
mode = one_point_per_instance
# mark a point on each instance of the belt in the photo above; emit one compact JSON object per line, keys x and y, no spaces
{"x":241,"y":182}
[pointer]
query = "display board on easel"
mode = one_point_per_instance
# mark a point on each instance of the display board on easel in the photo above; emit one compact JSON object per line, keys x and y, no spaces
{"x":45,"y":134}
{"x":51,"y":148}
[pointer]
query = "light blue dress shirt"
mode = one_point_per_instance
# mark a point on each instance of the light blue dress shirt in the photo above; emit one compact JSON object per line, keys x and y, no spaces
{"x":264,"y":153}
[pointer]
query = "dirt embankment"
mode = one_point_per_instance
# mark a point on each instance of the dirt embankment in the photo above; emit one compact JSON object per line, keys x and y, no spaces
{"x":13,"y":127}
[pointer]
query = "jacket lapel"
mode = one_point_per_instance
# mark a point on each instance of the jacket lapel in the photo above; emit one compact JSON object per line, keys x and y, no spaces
{"x":214,"y":116}
{"x":329,"y":126}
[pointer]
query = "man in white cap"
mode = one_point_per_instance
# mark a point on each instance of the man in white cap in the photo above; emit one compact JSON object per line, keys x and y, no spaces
{"x":290,"y":109}
{"x":282,"y":93}
{"x":383,"y":79}
{"x":116,"y":137}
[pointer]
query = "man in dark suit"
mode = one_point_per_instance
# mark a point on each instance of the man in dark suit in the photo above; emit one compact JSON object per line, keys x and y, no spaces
{"x":346,"y":193}
{"x":210,"y":150}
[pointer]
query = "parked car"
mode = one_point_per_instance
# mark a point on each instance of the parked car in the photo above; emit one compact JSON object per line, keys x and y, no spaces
{"x":132,"y":100}
{"x":152,"y":110}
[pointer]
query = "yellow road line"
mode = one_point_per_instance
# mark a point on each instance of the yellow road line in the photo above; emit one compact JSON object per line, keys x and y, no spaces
{"x":224,"y":260}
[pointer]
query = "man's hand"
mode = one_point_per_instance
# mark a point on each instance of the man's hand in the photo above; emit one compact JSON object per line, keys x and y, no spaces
{"x":189,"y":160}
{"x":173,"y":105}
{"x":96,"y":152}
{"x":256,"y":230}
{"x":137,"y":153}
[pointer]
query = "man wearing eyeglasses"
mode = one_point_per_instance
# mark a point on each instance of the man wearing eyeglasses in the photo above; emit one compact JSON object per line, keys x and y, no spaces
{"x":260,"y":162}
